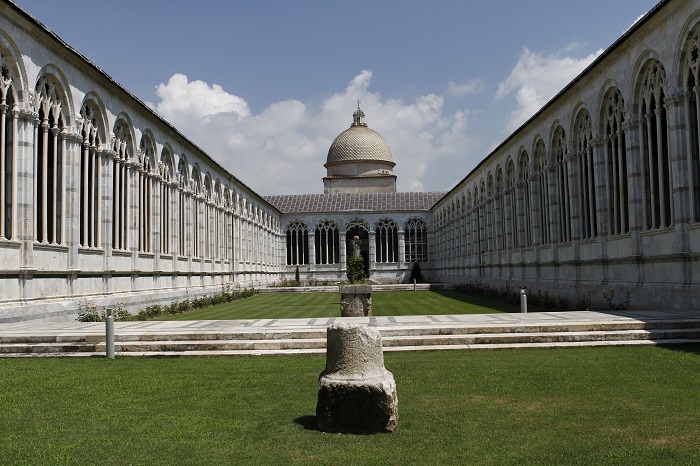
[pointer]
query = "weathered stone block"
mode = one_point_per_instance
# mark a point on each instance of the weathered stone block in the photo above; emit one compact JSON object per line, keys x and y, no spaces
{"x":356,"y":394}
{"x":355,"y":300}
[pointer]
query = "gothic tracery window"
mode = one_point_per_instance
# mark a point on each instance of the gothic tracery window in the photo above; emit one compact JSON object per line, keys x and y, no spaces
{"x":183,"y":207}
{"x":48,"y":163}
{"x":542,"y":192}
{"x":166,"y":175}
{"x":587,"y":176}
{"x":416,"y":240}
{"x":123,"y":150}
{"x":616,"y":164}
{"x":8,"y":171}
{"x":327,"y":243}
{"x":525,"y":214}
{"x":147,"y":162}
{"x":693,"y":116}
{"x":297,"y":244}
{"x":657,"y":168}
{"x":511,"y":206}
{"x":561,"y":167}
{"x":387,"y":241}
{"x":90,"y":169}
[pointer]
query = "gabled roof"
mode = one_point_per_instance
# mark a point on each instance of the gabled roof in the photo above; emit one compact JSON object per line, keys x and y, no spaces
{"x":354,"y":202}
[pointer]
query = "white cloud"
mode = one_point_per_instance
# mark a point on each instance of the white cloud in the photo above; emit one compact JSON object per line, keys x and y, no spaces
{"x":197,"y":99}
{"x":536,"y":78}
{"x":471,"y":87}
{"x":282,"y":149}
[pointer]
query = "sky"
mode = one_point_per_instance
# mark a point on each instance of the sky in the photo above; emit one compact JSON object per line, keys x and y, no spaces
{"x":265,"y":86}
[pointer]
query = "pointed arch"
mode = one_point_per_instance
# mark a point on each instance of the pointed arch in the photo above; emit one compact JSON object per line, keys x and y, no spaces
{"x":123,"y":150}
{"x":92,"y":130}
{"x":658,"y":212}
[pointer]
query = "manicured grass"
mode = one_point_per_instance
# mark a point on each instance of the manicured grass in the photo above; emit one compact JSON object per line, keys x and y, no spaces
{"x":567,"y":406}
{"x":389,"y":303}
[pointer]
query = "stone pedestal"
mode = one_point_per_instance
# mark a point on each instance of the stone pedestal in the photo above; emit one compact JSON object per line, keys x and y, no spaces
{"x":356,"y":394}
{"x":355,"y":300}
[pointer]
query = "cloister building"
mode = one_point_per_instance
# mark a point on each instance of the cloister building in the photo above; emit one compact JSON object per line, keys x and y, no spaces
{"x":103,"y":201}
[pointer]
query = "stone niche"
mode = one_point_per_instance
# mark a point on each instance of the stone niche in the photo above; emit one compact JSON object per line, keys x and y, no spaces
{"x":356,"y":394}
{"x":355,"y":300}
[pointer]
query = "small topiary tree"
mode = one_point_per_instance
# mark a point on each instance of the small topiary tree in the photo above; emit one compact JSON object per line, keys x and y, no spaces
{"x":355,"y":269}
{"x":416,"y":274}
{"x":297,"y":280}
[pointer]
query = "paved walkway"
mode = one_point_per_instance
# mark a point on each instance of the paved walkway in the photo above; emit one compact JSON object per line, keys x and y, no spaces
{"x":58,"y":329}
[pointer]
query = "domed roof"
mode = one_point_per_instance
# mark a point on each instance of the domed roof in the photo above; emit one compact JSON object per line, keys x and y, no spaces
{"x":359,"y":143}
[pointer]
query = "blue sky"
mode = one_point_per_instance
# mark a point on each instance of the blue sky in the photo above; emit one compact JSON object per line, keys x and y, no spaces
{"x":265,"y":86}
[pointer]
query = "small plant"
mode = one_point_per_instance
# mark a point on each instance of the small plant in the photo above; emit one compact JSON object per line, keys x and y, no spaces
{"x":297,"y":279}
{"x":609,"y":297}
{"x":87,"y":312}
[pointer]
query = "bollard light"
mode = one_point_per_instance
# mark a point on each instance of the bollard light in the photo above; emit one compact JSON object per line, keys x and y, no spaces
{"x":523,"y":299}
{"x":109,"y":338}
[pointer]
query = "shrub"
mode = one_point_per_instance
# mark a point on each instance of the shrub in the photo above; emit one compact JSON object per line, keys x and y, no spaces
{"x":609,"y":297}
{"x":355,"y":269}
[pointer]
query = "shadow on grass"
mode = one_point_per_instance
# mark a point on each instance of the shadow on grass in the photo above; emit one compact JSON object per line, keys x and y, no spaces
{"x":307,"y":422}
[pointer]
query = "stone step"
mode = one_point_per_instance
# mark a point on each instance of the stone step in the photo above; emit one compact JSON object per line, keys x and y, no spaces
{"x":195,"y":342}
{"x":288,"y":352}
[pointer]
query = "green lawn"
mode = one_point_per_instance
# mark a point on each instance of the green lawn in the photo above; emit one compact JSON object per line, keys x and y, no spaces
{"x":389,"y":303}
{"x":608,"y":405}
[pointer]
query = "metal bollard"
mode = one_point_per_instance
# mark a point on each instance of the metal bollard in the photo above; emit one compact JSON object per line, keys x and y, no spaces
{"x":523,"y":299}
{"x":109,"y":338}
{"x":414,"y":284}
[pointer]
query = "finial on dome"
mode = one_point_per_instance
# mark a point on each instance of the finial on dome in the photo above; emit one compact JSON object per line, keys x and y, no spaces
{"x":358,"y":118}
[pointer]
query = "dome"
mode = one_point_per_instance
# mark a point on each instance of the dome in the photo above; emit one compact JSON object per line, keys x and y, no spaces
{"x":359,"y":143}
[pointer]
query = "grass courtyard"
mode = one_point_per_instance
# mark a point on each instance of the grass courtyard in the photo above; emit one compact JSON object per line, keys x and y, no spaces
{"x":310,"y":305}
{"x":635,"y":405}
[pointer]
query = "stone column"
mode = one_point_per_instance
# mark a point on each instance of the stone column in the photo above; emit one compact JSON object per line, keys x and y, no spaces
{"x":372,"y":251}
{"x":312,"y":249}
{"x":356,"y":394}
{"x":343,"y":249}
{"x":402,"y":248}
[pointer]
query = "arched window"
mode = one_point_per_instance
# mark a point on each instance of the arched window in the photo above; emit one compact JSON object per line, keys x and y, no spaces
{"x":207,"y":214}
{"x":511,"y":206}
{"x":692,"y":58}
{"x":561,"y":167}
{"x":123,"y":150}
{"x":524,"y":196}
{"x":90,"y":176}
{"x":8,"y":170}
{"x":586,"y":178}
{"x":183,"y":211}
{"x":416,"y":240}
{"x":147,"y":161}
{"x":657,"y":168}
{"x":166,"y":175}
{"x":490,"y":217}
{"x":297,"y":244}
{"x":327,"y":243}
{"x":616,"y":163}
{"x":542,"y":193}
{"x":500,"y":210}
{"x":48,"y":163}
{"x":387,"y":241}
{"x":196,"y":211}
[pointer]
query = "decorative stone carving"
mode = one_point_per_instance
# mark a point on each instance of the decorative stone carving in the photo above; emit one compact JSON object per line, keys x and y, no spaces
{"x":356,"y":394}
{"x":355,"y":300}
